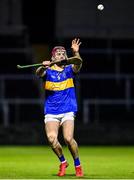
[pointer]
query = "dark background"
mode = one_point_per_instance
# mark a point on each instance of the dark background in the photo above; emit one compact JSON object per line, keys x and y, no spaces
{"x":30,"y":29}
{"x":39,"y":17}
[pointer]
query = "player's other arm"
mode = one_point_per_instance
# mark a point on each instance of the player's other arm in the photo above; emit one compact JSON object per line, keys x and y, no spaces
{"x":41,"y":71}
{"x":77,"y":64}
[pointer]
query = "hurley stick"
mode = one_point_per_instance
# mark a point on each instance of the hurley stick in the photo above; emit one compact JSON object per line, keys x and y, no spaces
{"x":72,"y":60}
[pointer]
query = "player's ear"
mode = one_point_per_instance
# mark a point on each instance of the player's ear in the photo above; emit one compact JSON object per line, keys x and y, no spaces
{"x":52,"y":58}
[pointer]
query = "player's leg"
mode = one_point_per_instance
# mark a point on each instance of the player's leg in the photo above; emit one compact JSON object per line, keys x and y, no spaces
{"x":51,"y":129}
{"x":68,"y":133}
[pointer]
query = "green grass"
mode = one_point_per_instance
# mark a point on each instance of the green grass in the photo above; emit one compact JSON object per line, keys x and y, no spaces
{"x":38,"y":162}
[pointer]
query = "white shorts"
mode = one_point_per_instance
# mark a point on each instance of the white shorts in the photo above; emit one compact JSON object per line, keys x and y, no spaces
{"x":60,"y":117}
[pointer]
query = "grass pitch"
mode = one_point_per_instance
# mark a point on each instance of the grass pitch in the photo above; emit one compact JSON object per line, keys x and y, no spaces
{"x":38,"y":162}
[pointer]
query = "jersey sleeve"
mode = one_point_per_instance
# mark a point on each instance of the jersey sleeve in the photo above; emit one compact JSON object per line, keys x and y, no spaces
{"x":70,"y":70}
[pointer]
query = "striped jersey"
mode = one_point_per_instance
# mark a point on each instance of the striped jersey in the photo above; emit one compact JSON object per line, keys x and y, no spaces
{"x":60,"y":91}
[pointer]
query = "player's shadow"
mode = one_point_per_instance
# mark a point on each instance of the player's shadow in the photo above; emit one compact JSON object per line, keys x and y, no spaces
{"x":67,"y":176}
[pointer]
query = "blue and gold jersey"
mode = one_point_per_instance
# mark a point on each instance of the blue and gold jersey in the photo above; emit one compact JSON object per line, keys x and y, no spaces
{"x":60,"y":91}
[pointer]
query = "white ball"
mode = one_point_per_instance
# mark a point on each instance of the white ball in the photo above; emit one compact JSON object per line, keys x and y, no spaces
{"x":100,"y":7}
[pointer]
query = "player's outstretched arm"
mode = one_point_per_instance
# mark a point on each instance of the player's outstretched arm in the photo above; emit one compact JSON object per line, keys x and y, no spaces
{"x":75,"y":48}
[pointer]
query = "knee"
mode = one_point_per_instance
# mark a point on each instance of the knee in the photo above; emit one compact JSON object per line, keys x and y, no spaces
{"x":52,"y":138}
{"x":68,"y":140}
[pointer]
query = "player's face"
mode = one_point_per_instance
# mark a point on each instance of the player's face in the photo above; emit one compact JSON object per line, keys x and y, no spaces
{"x":60,"y":54}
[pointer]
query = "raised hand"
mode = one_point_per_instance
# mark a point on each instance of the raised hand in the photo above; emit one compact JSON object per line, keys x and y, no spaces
{"x":75,"y":44}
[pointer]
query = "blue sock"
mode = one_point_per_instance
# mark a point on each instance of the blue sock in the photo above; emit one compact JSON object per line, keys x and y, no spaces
{"x":77,"y":162}
{"x":62,"y":159}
